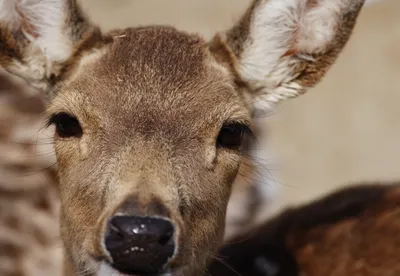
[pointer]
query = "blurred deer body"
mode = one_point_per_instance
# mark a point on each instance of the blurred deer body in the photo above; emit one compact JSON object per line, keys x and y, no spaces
{"x":29,"y":202}
{"x":354,"y":231}
{"x":152,"y":124}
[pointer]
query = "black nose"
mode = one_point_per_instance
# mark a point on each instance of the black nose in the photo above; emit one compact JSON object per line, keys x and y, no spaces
{"x":140,"y":245}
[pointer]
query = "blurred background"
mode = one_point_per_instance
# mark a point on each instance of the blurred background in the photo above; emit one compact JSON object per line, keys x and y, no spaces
{"x":344,"y":131}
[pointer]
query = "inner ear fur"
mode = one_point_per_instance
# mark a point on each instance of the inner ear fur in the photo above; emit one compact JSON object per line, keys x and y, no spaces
{"x":280,"y":49}
{"x":41,"y":40}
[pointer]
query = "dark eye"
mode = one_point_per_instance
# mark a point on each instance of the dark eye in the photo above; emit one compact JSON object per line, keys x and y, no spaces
{"x":66,"y":125}
{"x":231,"y":135}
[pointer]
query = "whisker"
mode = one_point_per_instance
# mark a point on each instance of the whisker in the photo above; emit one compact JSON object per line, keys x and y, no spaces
{"x":38,"y":171}
{"x":220,"y":260}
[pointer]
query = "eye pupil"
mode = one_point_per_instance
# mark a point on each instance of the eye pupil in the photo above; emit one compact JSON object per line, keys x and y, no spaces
{"x":66,"y":125}
{"x":231,"y":136}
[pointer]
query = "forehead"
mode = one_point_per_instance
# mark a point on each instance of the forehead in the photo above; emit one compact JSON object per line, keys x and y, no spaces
{"x":157,"y":75}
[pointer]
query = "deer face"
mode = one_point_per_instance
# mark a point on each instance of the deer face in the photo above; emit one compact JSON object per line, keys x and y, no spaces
{"x":148,"y":150}
{"x":150,"y":123}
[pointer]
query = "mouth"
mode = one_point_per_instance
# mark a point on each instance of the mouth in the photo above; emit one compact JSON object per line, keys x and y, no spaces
{"x":107,"y":270}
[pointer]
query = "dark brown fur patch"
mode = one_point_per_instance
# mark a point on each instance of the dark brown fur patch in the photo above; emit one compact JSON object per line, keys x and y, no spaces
{"x":354,"y":230}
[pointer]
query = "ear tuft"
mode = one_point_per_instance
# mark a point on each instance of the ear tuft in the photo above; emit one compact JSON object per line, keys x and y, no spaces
{"x":40,"y":22}
{"x":282,"y":48}
{"x":39,"y":37}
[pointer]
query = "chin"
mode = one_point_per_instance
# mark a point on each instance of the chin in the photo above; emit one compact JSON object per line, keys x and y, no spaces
{"x":106,"y":270}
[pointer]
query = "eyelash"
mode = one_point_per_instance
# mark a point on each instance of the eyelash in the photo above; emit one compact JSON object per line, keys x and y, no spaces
{"x":233,"y":134}
{"x":66,"y":125}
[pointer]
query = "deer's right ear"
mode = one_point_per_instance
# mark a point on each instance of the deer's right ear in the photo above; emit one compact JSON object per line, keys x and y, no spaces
{"x":40,"y":39}
{"x":280,"y":48}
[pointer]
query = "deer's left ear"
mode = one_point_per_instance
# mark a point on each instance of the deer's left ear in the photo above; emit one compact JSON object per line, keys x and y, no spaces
{"x":280,"y":48}
{"x":39,"y":39}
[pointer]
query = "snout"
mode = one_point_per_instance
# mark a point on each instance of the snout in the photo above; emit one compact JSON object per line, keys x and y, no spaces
{"x":140,"y":245}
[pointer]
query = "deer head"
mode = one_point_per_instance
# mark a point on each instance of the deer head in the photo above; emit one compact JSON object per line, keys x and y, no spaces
{"x":151,"y":124}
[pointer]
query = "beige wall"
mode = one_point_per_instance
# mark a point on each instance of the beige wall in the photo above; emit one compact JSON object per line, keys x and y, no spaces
{"x":345,"y":130}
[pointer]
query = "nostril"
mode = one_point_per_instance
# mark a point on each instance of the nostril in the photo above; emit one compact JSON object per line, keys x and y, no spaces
{"x":115,"y":229}
{"x":140,"y":245}
{"x":165,"y":238}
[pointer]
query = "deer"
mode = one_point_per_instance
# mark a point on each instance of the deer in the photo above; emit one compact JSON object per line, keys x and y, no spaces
{"x":30,"y":247}
{"x":351,"y":231}
{"x":151,"y":124}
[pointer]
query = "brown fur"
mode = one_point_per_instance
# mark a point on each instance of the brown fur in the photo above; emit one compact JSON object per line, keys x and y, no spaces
{"x":151,"y":102}
{"x":350,"y":232}
{"x":169,"y":135}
